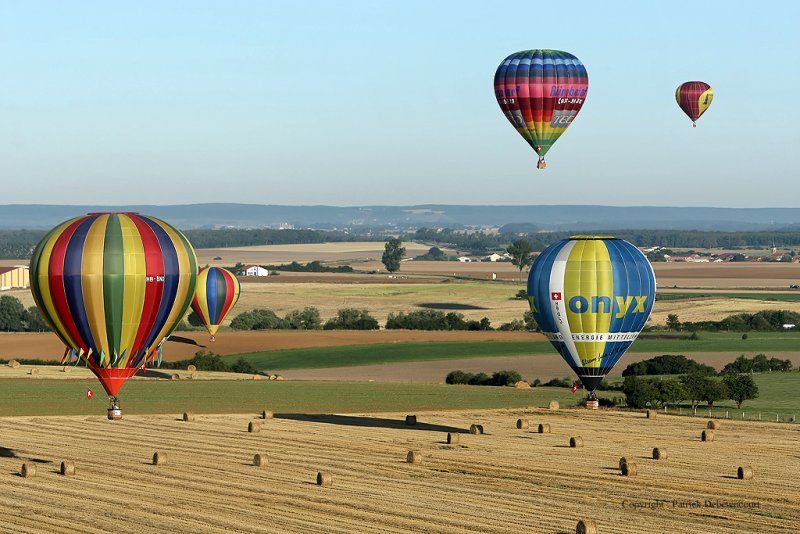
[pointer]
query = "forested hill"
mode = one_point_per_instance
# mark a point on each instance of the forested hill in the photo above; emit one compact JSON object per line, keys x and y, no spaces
{"x":533,"y":218}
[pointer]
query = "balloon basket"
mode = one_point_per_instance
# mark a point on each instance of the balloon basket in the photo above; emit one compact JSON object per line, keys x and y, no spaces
{"x":592,"y":404}
{"x":114,"y":414}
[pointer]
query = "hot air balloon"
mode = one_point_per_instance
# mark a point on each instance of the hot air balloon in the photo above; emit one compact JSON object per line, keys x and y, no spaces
{"x":216,"y":293}
{"x":694,"y":99}
{"x":113,"y":287}
{"x":591,"y":296}
{"x":541,"y":93}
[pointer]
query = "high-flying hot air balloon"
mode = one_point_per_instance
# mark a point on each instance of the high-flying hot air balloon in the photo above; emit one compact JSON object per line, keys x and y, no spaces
{"x":694,"y":99}
{"x":591,"y":296}
{"x":541,"y":92}
{"x":216,"y":293}
{"x":113,"y":287}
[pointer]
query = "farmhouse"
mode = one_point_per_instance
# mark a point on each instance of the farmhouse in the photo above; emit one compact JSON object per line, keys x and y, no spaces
{"x":14,"y":277}
{"x":254,"y":270}
{"x":464,"y":259}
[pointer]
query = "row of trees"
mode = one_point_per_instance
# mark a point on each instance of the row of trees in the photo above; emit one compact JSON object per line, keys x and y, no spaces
{"x":15,"y":318}
{"x":356,"y":319}
{"x":694,"y":387}
{"x":762,"y":321}
{"x":500,"y":378}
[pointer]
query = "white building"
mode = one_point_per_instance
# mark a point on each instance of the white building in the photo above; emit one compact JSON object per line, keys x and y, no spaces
{"x":464,"y":259}
{"x":254,"y":270}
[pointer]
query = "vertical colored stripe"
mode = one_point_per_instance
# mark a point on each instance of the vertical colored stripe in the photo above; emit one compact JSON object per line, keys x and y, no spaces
{"x":95,"y":295}
{"x":134,"y":291}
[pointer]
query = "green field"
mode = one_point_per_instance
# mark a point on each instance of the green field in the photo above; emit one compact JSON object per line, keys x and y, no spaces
{"x":767,"y":342}
{"x":779,"y":297}
{"x":68,"y":397}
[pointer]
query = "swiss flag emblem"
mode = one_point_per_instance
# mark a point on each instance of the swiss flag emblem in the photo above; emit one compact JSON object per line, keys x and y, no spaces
{"x":574,"y":388}
{"x":89,"y":393}
{"x":555,"y":295}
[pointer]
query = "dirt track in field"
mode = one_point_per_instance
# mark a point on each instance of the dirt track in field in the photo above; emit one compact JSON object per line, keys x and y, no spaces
{"x":506,"y":480}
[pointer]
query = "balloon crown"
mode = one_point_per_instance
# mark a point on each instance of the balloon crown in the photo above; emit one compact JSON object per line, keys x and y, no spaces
{"x":113,"y":213}
{"x":591,"y":237}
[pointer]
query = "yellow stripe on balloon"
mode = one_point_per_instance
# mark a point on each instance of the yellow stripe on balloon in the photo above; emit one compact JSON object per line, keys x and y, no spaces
{"x":202,"y":297}
{"x":92,"y":282}
{"x":135,"y":269}
{"x":705,"y":100}
{"x":47,"y":304}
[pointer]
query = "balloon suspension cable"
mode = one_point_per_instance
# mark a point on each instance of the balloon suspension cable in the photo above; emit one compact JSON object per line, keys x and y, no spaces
{"x":592,"y":396}
{"x":113,"y":402}
{"x":542,"y":164}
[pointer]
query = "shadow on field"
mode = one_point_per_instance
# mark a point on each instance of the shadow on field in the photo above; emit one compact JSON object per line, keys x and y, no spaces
{"x":188,"y":341}
{"x":152,"y":373}
{"x":7,"y":453}
{"x":375,"y":422}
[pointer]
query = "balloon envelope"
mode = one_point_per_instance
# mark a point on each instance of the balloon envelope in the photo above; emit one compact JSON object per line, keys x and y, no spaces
{"x":541,"y":93}
{"x":216,"y":293}
{"x":591,"y":296}
{"x":113,"y":287}
{"x":694,"y":98}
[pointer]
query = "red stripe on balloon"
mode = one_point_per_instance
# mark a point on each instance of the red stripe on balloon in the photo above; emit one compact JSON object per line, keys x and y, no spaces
{"x":229,"y":292}
{"x":154,"y":267}
{"x":55,"y":277}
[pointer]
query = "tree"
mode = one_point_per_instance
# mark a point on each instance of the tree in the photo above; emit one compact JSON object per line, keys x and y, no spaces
{"x":671,"y":391}
{"x":307,"y":319}
{"x":352,"y":319}
{"x":673,"y":323}
{"x":12,"y":314}
{"x":35,"y":321}
{"x":194,"y":319}
{"x":714,"y":391}
{"x":694,"y":384}
{"x":520,"y":251}
{"x":639,"y":392}
{"x":740,"y":388}
{"x":392,"y":254}
{"x":530,"y":321}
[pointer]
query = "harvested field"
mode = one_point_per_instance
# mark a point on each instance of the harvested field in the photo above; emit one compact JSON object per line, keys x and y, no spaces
{"x":210,"y":483}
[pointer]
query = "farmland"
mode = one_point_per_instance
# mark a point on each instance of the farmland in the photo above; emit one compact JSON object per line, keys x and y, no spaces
{"x":506,"y":479}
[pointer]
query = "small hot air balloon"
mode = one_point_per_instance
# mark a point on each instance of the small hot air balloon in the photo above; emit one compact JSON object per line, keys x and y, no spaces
{"x":541,"y":93}
{"x":694,"y":99}
{"x":216,"y":293}
{"x":113,"y":287}
{"x":591,"y":296}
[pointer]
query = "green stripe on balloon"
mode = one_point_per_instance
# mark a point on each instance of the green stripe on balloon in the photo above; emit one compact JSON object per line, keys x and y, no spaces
{"x":113,"y":282}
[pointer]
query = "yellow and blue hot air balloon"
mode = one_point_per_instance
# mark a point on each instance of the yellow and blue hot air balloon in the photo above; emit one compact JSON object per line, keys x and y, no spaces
{"x":217,"y":292}
{"x":591,"y":296}
{"x":113,"y":287}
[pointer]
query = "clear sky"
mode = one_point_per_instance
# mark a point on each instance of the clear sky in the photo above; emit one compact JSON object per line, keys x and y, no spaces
{"x":390,"y":102}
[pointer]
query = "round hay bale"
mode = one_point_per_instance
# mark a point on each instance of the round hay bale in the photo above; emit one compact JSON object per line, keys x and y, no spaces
{"x":622,"y":461}
{"x":476,"y":429}
{"x":411,"y":420}
{"x":744,"y":473}
{"x":14,"y":364}
{"x":414,"y":457}
{"x":452,"y":438}
{"x":67,"y":468}
{"x":66,"y":369}
{"x":160,"y":458}
{"x":34,"y":371}
{"x":279,"y":377}
{"x":273,"y":377}
{"x":707,"y":435}
{"x":253,"y":427}
{"x":522,"y":385}
{"x":659,"y":454}
{"x":260,"y":460}
{"x":324,"y":479}
{"x":193,"y":376}
{"x":191,"y":368}
{"x":523,"y":424}
{"x":175,"y":376}
{"x":188,"y":416}
{"x":576,"y":442}
{"x":586,"y":526}
{"x":651,"y":414}
{"x":628,"y":470}
{"x":713,"y":425}
{"x":553,"y":405}
{"x":28,"y":470}
{"x":266,"y":414}
{"x":544,"y":428}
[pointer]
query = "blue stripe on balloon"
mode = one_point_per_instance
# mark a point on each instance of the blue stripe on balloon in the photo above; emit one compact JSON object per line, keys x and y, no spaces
{"x":171,"y":276}
{"x":73,"y":287}
{"x":539,"y":286}
{"x":212,"y":286}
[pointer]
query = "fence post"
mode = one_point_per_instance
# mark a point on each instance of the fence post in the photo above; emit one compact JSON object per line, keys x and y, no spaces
{"x":726,"y":415}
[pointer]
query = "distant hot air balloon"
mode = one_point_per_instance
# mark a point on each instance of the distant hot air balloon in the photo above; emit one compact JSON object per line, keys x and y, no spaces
{"x":113,"y":287}
{"x":216,"y":293}
{"x":541,"y":92}
{"x":591,"y":296}
{"x":694,"y":99}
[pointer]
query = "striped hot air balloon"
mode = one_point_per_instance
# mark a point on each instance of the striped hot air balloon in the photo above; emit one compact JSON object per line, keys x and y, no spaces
{"x":113,"y":287}
{"x":216,"y":293}
{"x":591,"y":296}
{"x":541,"y":93}
{"x":694,"y":99}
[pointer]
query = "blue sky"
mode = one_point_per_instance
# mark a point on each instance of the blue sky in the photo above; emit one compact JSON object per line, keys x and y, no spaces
{"x":351,"y":103}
